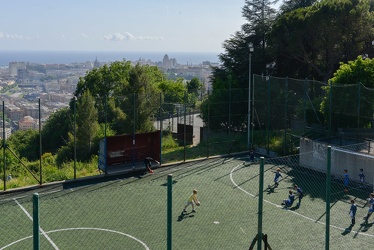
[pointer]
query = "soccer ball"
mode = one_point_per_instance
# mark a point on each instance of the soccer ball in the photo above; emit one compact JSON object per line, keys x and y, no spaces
{"x":198,"y":203}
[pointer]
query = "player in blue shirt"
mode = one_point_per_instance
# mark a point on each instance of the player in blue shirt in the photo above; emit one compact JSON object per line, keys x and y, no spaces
{"x":352,"y":212}
{"x":300,"y":194}
{"x":361,"y":175}
{"x":290,"y":200}
{"x":276,"y":177}
{"x":371,"y":206}
{"x":346,"y":180}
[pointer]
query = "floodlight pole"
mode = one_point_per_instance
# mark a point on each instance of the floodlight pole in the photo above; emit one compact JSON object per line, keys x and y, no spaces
{"x":250,"y":46}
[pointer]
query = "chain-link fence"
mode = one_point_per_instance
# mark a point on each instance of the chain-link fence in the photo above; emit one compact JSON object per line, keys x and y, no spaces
{"x":239,"y":198}
{"x":281,"y":111}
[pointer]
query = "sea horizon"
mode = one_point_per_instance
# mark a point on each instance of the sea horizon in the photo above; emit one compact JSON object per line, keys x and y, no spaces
{"x":68,"y":57}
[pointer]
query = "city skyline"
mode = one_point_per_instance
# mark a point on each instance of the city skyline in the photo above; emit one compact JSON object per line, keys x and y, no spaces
{"x":114,"y":25}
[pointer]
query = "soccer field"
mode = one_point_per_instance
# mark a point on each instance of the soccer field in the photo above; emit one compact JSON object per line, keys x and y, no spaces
{"x":130,"y":212}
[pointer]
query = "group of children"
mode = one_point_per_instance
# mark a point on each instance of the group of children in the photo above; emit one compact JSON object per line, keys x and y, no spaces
{"x":291,"y":195}
{"x":353,"y":209}
{"x":361,"y":176}
{"x":192,"y":200}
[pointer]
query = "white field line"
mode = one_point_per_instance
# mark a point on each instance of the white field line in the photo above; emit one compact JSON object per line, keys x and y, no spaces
{"x":41,"y":230}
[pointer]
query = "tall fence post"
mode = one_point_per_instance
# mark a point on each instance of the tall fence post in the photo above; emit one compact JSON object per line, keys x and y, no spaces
{"x":268,"y":118}
{"x":133,"y":132}
{"x":169,"y":211}
{"x":161,"y":128}
{"x":285,"y":119}
{"x":4,"y":147}
{"x":35,"y":221}
{"x":328,"y":193}
{"x":260,"y":203}
{"x":358,"y":104}
{"x":229,"y":126}
{"x":40,"y":147}
{"x":304,"y":101}
{"x":75,"y":138}
{"x":208,"y":129}
{"x":330,"y":108}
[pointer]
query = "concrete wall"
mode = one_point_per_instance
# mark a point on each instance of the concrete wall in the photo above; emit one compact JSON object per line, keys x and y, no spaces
{"x":313,"y":155}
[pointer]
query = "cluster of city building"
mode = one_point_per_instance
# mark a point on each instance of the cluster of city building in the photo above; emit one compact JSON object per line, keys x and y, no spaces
{"x":28,"y":89}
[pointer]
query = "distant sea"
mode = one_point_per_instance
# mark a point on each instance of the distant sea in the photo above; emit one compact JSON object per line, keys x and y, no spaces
{"x":67,"y":57}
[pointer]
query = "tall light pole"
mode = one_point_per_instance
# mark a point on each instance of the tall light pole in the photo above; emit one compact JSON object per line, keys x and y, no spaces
{"x":250,"y":46}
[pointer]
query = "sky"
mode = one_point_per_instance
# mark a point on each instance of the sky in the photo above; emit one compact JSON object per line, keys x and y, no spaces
{"x":119,"y":25}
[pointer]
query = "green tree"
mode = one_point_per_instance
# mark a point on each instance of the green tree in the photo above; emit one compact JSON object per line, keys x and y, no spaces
{"x":87,"y":126}
{"x":143,"y":93}
{"x":194,"y":86}
{"x":113,"y":88}
{"x":25,"y":143}
{"x":106,"y":84}
{"x":234,"y":71}
{"x":289,"y":5}
{"x":55,"y":131}
{"x":352,"y":95}
{"x":311,"y":41}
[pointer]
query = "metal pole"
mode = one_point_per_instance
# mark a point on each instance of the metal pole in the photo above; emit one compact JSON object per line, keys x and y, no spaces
{"x":169,"y":211}
{"x":249,"y":101}
{"x":40,"y":147}
{"x":35,"y":220}
{"x":208,"y":152}
{"x":229,"y":127}
{"x":328,"y":193}
{"x":184,"y":135}
{"x":75,"y":137}
{"x":106,"y":114}
{"x":358,"y":105}
{"x":268,"y":122}
{"x":330,"y":107}
{"x":133,"y":134}
{"x":260,"y":203}
{"x":253,"y":107}
{"x":4,"y":147}
{"x":304,"y":100}
{"x":161,"y":127}
{"x":285,"y":119}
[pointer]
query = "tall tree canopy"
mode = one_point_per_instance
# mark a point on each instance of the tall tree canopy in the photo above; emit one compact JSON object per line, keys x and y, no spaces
{"x":315,"y":39}
{"x":303,"y":39}
{"x":87,"y":125}
{"x":349,"y":98}
{"x":117,"y":88}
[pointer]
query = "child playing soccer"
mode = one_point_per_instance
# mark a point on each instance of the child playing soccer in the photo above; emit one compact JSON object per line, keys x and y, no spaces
{"x":290,"y":200}
{"x":276,"y":177}
{"x":299,"y":193}
{"x":346,"y":180}
{"x":361,"y":175}
{"x":371,"y":207}
{"x":192,"y":201}
{"x":352,"y":212}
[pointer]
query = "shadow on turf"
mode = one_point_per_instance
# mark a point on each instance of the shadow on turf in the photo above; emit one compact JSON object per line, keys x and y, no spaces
{"x":363,"y":228}
{"x":184,"y":215}
{"x":366,"y":226}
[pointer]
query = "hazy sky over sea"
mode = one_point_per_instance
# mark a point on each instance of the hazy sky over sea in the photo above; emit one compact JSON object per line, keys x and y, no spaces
{"x":119,"y":25}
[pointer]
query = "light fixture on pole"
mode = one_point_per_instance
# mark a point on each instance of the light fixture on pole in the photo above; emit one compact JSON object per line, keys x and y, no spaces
{"x":250,"y":46}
